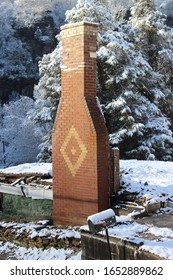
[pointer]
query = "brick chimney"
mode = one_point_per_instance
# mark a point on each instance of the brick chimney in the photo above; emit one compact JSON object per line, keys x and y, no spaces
{"x":80,"y":138}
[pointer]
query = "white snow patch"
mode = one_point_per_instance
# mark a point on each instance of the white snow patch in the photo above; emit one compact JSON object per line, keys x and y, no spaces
{"x":22,"y":253}
{"x":42,"y":168}
{"x":128,"y":231}
{"x":162,"y":248}
{"x":150,"y":179}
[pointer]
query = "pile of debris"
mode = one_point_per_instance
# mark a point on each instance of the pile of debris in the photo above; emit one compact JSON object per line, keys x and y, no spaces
{"x":40,"y":235}
{"x":28,"y":184}
{"x":32,"y":179}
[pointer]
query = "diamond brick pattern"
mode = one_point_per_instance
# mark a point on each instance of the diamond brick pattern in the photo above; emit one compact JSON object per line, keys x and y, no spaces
{"x":69,"y":151}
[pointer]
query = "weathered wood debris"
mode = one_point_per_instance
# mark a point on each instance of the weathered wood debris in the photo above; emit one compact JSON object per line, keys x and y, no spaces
{"x":27,"y":184}
{"x":33,"y":179}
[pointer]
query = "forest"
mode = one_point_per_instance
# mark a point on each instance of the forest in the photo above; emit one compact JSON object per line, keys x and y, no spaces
{"x":134,"y":75}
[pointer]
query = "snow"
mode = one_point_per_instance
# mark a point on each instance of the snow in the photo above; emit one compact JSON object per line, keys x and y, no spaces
{"x":101,"y":216}
{"x":164,"y":249}
{"x":33,"y":230}
{"x":69,"y":234}
{"x":22,"y":253}
{"x":42,"y":168}
{"x":151,"y":180}
{"x":129,"y":231}
{"x":161,"y":244}
{"x":161,"y":232}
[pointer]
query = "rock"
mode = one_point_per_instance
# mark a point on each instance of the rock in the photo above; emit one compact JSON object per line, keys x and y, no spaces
{"x":76,"y":242}
{"x":45,"y":242}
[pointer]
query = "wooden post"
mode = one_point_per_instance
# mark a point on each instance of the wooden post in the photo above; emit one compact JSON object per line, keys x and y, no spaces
{"x":1,"y":200}
{"x":116,"y":166}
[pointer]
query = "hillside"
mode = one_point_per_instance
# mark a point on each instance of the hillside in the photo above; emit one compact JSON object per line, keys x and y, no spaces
{"x":27,"y":32}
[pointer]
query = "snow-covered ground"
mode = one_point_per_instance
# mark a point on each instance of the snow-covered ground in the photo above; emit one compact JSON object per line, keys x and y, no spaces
{"x":152,"y":180}
{"x":21,"y":253}
{"x":42,"y":168}
{"x":41,"y":229}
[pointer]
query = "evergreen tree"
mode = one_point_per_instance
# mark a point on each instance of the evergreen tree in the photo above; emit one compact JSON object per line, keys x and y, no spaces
{"x":128,"y":91}
{"x":47,"y":94}
{"x":132,"y":87}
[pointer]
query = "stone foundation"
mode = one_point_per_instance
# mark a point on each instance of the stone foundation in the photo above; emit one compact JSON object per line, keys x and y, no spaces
{"x":94,"y":247}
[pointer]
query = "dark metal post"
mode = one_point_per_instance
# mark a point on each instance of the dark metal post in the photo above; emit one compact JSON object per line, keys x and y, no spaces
{"x":108,"y":242}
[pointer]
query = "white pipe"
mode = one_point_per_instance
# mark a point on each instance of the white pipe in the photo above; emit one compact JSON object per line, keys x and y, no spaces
{"x":34,"y":193}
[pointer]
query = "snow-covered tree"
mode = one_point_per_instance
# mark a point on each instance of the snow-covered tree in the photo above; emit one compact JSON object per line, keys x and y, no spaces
{"x":92,"y":11}
{"x":47,"y":95}
{"x":131,"y":86}
{"x":15,"y":59}
{"x":156,"y":41}
{"x":129,"y":91}
{"x":19,"y":138}
{"x":128,"y":85}
{"x":28,"y":12}
{"x":47,"y":92}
